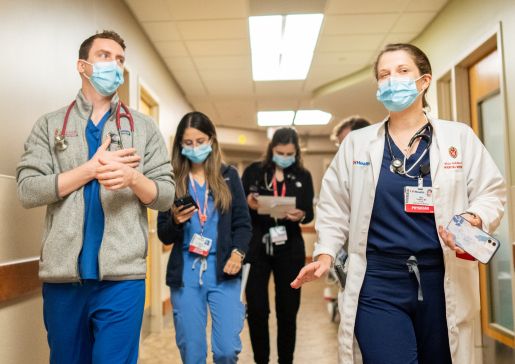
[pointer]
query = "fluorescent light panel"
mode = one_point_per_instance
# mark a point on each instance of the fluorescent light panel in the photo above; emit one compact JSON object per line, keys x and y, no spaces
{"x":287,"y":118}
{"x":311,"y":117}
{"x":275,"y":118}
{"x":282,"y":46}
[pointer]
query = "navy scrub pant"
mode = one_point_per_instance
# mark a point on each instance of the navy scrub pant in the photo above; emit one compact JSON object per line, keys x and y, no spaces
{"x":392,"y":325}
{"x":94,"y":322}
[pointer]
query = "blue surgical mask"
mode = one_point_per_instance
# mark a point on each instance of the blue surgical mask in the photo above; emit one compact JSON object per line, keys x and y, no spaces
{"x":282,"y":161}
{"x":398,"y":93}
{"x":197,"y":154}
{"x":106,"y":77}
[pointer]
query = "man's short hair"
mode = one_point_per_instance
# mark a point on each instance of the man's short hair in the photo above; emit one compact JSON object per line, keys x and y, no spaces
{"x":85,"y":47}
{"x":353,"y":122}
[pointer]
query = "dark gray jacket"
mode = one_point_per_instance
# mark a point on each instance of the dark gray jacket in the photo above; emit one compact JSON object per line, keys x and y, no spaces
{"x":124,"y":245}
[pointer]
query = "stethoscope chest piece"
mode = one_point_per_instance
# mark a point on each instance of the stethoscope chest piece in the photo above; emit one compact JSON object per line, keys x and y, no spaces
{"x":60,"y":143}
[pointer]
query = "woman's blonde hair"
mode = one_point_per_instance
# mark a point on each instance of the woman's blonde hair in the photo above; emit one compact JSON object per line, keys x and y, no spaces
{"x":212,"y":165}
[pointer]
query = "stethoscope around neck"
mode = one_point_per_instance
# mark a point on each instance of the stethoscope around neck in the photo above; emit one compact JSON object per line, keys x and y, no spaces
{"x":399,"y":166}
{"x":60,"y":139}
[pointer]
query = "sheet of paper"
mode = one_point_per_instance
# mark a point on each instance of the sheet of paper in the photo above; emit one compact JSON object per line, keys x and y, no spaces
{"x":245,"y":270}
{"x":276,"y":207}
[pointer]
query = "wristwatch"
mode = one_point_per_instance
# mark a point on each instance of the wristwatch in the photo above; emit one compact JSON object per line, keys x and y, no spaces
{"x":241,"y":253}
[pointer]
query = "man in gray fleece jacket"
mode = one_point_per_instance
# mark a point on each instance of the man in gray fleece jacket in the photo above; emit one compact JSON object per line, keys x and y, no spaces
{"x":97,"y":175}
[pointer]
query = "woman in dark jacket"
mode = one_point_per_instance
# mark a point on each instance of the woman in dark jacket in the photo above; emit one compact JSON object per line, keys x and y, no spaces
{"x":210,"y":238}
{"x":281,"y":174}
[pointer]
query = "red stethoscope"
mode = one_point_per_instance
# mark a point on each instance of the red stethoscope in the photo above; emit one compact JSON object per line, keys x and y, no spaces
{"x":60,"y":139}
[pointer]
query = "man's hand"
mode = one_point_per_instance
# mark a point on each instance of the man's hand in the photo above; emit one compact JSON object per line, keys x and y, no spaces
{"x":124,"y":156}
{"x":313,"y":271}
{"x":115,"y":175}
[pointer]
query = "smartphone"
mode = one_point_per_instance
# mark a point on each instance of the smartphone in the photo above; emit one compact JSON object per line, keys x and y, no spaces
{"x":473,"y":240}
{"x":339,"y":267}
{"x":186,"y":201}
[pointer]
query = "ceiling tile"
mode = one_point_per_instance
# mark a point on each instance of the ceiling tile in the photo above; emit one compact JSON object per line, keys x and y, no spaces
{"x":206,"y":107}
{"x":233,"y":47}
{"x":214,"y":29}
{"x":281,"y":88}
{"x":278,"y":103}
{"x":170,"y":49}
{"x":180,"y":64}
{"x":398,"y":38}
{"x":341,"y":43}
{"x":190,"y":83}
{"x":364,"y":7}
{"x":207,"y":9}
{"x":413,"y":22}
{"x":228,"y":63}
{"x":340,"y":59}
{"x":424,"y":5}
{"x":323,"y":75}
{"x":221,"y":83}
{"x":236,"y":112}
{"x":358,"y":24}
{"x":161,"y":31}
{"x":149,"y":10}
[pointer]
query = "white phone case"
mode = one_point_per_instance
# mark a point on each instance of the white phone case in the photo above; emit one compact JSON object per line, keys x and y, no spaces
{"x":473,"y":240}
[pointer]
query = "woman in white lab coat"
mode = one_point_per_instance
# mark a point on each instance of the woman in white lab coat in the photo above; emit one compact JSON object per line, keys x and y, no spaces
{"x":411,"y":294}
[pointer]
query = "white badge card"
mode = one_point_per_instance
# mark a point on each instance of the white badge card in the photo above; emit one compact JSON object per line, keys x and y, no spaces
{"x":278,"y":235}
{"x":418,"y":200}
{"x":200,"y":245}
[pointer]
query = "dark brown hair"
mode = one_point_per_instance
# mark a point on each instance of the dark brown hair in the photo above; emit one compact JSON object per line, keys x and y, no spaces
{"x":283,"y":136}
{"x":85,"y":47}
{"x":353,"y":122}
{"x":419,"y":57}
{"x":212,"y":165}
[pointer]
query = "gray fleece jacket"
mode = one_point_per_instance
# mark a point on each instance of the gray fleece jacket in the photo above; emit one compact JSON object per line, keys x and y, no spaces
{"x":124,"y":245}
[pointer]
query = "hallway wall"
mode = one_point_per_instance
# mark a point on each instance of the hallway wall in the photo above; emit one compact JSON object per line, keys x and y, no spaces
{"x":38,"y":73}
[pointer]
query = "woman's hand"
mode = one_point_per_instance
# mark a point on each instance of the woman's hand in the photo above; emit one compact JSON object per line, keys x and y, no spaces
{"x":295,"y":215}
{"x":252,"y":201}
{"x":180,"y":215}
{"x":313,"y":271}
{"x":448,"y":238}
{"x":233,"y":265}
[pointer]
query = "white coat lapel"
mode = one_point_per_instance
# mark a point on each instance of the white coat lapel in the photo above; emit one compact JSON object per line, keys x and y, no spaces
{"x":434,"y":152}
{"x":376,"y":153}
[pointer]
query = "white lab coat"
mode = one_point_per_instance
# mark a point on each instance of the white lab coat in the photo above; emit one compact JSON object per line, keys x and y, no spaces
{"x":464,"y":181}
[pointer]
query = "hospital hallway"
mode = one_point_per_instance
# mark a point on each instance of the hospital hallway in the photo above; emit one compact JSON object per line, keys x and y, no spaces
{"x":316,"y":334}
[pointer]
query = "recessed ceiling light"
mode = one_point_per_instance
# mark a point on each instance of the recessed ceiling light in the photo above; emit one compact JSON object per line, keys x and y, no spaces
{"x":282,"y":46}
{"x":275,"y":118}
{"x":312,"y":117}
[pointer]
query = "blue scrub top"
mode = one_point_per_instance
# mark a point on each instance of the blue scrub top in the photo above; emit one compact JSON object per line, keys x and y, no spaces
{"x":94,"y":214}
{"x":392,"y":230}
{"x":192,"y":226}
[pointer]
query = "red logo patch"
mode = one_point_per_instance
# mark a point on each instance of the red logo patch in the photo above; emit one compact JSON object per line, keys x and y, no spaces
{"x":453,"y":152}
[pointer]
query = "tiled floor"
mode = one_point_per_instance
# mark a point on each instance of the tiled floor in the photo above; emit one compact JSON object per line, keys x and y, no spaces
{"x":316,"y":335}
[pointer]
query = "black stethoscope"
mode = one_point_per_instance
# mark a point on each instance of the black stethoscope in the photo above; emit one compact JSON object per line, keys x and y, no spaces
{"x":399,"y":166}
{"x":60,"y":139}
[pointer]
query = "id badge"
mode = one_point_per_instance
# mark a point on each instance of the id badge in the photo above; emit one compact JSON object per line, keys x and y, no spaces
{"x":418,"y":200}
{"x":200,"y":245}
{"x":278,"y":235}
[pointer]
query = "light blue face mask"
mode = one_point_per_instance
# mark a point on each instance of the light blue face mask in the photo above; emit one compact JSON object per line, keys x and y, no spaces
{"x":282,"y":161}
{"x":198,"y":154}
{"x":106,"y":77}
{"x":398,"y":93}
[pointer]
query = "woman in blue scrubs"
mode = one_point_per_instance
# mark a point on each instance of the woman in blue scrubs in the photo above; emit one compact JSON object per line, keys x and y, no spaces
{"x":210,"y":236}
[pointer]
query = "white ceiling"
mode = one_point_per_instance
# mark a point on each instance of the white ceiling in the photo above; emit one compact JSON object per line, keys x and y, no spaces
{"x":205,"y":44}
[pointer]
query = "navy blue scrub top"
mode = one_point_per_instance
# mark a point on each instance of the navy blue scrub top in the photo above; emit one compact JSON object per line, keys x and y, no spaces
{"x":93,"y":214}
{"x":392,"y":230}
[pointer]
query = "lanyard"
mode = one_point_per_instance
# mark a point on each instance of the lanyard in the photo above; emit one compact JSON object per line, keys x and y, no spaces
{"x":283,"y":190}
{"x":201,"y":215}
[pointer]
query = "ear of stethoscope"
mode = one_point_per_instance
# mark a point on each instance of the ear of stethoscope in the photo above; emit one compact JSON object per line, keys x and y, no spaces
{"x":60,"y":139}
{"x":399,"y":166}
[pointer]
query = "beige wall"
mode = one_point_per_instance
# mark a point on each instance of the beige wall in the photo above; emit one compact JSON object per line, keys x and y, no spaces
{"x":40,"y":44}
